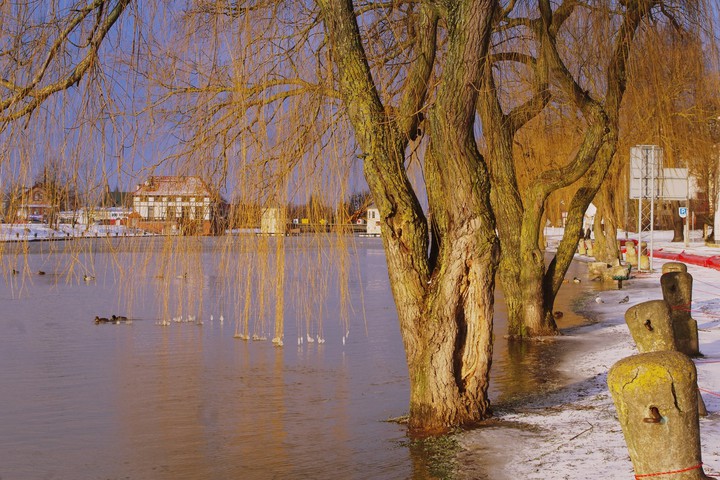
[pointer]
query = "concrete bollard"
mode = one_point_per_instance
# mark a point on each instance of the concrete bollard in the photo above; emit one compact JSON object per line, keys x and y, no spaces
{"x":655,"y":395}
{"x":631,"y":254}
{"x":644,"y":259}
{"x":677,"y":292}
{"x":582,"y":250}
{"x":644,"y":263}
{"x":650,"y":326}
{"x":674,"y":267}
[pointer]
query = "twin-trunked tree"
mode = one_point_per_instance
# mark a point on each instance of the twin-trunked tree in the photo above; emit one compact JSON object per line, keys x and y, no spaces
{"x":442,"y":280}
{"x":437,"y":79}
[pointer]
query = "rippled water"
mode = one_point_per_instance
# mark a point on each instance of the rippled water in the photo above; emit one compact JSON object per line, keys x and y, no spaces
{"x":140,"y":400}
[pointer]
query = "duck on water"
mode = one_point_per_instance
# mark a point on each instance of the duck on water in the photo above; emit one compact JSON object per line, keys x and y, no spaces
{"x":113,"y":319}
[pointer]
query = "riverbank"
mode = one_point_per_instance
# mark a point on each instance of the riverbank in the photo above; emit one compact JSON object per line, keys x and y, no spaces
{"x":574,"y":432}
{"x":36,"y":232}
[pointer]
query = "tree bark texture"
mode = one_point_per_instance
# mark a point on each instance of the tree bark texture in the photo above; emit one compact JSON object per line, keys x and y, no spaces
{"x":605,"y":248}
{"x":443,"y":294}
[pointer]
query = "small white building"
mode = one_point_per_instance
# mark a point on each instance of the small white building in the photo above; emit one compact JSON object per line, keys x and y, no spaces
{"x":272,"y":221}
{"x":174,"y":203}
{"x":373,"y":221}
{"x":74,"y":217}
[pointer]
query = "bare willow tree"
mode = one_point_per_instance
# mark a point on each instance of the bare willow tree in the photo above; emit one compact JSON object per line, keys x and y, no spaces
{"x":671,"y":102}
{"x":443,"y":290}
{"x":49,"y":48}
{"x":246,"y":93}
{"x":550,"y":47}
{"x":277,"y":100}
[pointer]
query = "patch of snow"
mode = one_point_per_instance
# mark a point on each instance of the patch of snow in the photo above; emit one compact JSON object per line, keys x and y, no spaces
{"x":574,"y":432}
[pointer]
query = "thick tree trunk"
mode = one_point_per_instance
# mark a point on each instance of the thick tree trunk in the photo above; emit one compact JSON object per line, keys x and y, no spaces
{"x":606,"y":247}
{"x":449,"y":375}
{"x":450,"y":350}
{"x":522,"y":264}
{"x":574,"y":225}
{"x":677,"y":222}
{"x":444,"y":295}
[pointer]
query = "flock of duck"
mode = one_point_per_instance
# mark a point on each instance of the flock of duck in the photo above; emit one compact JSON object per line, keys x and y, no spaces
{"x":87,"y":278}
{"x":114,"y":319}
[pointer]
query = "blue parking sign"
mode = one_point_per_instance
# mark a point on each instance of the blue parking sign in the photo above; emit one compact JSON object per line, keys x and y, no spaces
{"x":682,"y":211}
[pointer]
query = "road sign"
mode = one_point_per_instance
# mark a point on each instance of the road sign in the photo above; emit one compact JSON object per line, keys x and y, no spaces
{"x":682,"y":211}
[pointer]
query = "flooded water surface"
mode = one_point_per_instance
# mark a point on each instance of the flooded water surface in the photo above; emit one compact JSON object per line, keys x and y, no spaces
{"x":190,"y":400}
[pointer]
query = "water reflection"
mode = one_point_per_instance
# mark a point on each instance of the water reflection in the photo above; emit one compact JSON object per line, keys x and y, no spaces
{"x":189,"y":400}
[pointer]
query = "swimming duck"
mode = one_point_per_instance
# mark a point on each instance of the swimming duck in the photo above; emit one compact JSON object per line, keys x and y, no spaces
{"x":576,"y":280}
{"x":40,"y":272}
{"x":88,"y":278}
{"x":116,"y":319}
{"x":101,"y":320}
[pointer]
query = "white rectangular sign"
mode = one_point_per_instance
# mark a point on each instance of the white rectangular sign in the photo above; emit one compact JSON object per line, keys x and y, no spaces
{"x":675,"y":183}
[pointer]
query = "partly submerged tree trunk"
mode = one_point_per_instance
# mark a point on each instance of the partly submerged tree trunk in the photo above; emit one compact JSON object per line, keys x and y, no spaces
{"x":455,"y":333}
{"x":607,"y":118}
{"x":522,"y":264}
{"x":443,"y":294}
{"x":605,"y":248}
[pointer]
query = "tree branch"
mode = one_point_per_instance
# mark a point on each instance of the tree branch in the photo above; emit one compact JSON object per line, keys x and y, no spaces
{"x":39,"y":95}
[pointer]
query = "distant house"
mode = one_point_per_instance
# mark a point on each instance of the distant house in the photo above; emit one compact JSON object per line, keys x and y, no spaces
{"x":175,"y":204}
{"x":373,"y":221}
{"x":36,"y":204}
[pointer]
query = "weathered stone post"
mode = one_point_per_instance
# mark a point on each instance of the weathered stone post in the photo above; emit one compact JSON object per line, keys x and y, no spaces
{"x":674,"y":267}
{"x":644,"y":262}
{"x":589,"y":247}
{"x":655,"y":396}
{"x":631,"y":254}
{"x":651,"y":327}
{"x":677,"y":292}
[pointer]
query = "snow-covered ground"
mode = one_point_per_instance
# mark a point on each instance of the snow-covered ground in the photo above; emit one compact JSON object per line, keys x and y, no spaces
{"x":42,"y":232}
{"x":574,"y":433}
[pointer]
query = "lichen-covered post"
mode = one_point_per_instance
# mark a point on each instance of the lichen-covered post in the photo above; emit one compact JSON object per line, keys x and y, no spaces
{"x":655,"y":396}
{"x":650,"y":326}
{"x":644,"y":262}
{"x":631,"y":254}
{"x":677,"y":292}
{"x":674,"y":267}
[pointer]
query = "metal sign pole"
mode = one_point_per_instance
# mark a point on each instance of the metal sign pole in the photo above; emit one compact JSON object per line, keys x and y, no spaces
{"x":652,"y":205}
